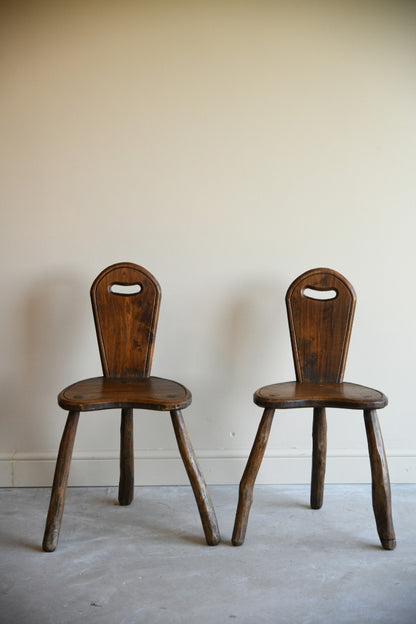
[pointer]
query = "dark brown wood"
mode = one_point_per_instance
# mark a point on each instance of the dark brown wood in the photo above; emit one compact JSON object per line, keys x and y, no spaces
{"x":126,"y":299}
{"x":320,"y":306}
{"x":202,"y":497}
{"x":245,"y":497}
{"x":343,"y":395}
{"x":98,"y":393}
{"x":126,"y":323}
{"x":57,"y":502}
{"x":318,"y":457}
{"x":320,"y":329}
{"x":126,"y":484}
{"x":380,"y":481}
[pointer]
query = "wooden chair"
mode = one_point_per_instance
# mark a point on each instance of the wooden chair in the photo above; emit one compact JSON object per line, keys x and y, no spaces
{"x":320,"y":305}
{"x":125,"y":300}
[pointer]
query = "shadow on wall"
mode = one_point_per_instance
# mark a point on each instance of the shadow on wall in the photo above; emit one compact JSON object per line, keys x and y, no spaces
{"x":55,"y":327}
{"x":256,"y":333}
{"x":252,"y":348}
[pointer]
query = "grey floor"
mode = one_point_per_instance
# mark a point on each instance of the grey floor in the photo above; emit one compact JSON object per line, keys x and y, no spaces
{"x":149,"y":563}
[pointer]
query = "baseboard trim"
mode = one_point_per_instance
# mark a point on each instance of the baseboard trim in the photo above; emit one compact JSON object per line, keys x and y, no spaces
{"x":155,"y":467}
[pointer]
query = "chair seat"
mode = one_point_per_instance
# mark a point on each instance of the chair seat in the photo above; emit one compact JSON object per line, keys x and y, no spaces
{"x":97,"y":393}
{"x":307,"y":394}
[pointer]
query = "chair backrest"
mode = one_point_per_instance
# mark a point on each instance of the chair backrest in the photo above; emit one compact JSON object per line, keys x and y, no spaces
{"x":320,"y":306}
{"x":125,"y":300}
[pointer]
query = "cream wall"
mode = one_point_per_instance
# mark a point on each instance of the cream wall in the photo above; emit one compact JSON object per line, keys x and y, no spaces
{"x":227,"y":147}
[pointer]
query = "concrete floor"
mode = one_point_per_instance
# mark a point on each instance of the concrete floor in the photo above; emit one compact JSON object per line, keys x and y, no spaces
{"x":148,"y":563}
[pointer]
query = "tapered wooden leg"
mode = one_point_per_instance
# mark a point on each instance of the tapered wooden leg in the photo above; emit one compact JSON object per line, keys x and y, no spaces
{"x":57,"y":502}
{"x":248,"y":479}
{"x":318,"y":457}
{"x":126,"y":484}
{"x":199,"y":487}
{"x":380,"y":481}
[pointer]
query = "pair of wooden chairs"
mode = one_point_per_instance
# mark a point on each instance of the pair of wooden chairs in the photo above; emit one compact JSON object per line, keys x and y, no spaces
{"x":126,"y":299}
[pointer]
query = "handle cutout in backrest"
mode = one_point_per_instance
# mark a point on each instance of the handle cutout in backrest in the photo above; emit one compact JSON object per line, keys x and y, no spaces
{"x":320,"y":295}
{"x":126,"y":298}
{"x":125,"y":289}
{"x":320,"y":305}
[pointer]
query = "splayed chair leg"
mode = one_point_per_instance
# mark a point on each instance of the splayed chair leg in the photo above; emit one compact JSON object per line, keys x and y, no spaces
{"x":318,"y":457}
{"x":380,"y":481}
{"x":248,"y":479}
{"x":126,"y":484}
{"x":199,"y":487}
{"x":57,"y":502}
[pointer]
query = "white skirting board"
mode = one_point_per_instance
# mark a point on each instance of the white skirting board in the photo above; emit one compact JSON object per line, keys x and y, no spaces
{"x":219,"y":467}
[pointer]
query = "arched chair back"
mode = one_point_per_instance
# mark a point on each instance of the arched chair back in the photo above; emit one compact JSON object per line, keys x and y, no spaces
{"x":126,"y":299}
{"x":320,"y":306}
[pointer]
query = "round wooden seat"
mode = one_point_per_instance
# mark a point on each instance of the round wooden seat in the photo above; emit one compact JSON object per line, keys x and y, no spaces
{"x":306,"y":394}
{"x":98,"y":393}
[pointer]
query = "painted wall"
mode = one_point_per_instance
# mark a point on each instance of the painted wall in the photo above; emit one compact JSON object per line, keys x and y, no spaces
{"x":227,"y":147}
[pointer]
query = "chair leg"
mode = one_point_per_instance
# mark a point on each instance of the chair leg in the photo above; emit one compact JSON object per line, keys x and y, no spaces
{"x":126,"y":483}
{"x":380,"y":481}
{"x":57,"y":502}
{"x":318,"y":457}
{"x":199,"y":487}
{"x":245,"y":498}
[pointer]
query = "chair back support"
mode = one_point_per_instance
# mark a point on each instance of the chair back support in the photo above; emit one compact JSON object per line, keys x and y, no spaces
{"x":125,"y":299}
{"x":320,"y":306}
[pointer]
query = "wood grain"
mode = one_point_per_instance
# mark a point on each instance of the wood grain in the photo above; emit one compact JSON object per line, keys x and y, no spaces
{"x":380,"y":481}
{"x":202,"y":497}
{"x":126,"y":324}
{"x":320,"y":305}
{"x":126,"y":483}
{"x":126,"y":299}
{"x":98,"y":393}
{"x":245,"y":498}
{"x":345,"y":395}
{"x":320,"y":330}
{"x":57,"y":503}
{"x":319,"y":433}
